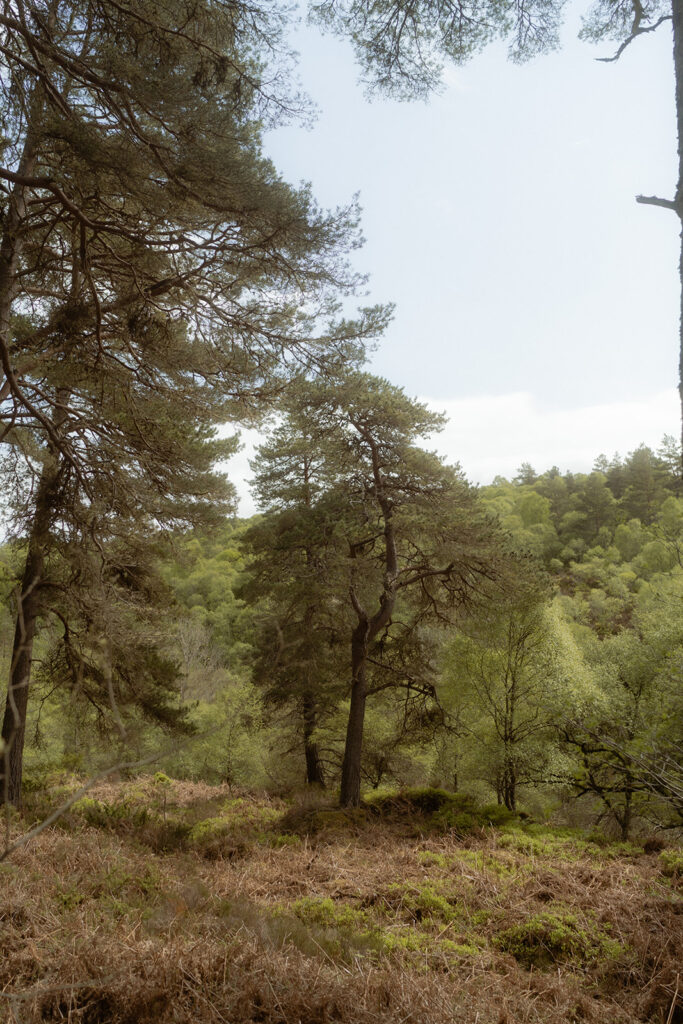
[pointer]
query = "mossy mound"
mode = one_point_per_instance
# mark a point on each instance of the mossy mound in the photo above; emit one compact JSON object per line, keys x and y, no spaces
{"x":441,"y":811}
{"x":557,"y":938}
{"x":313,"y":819}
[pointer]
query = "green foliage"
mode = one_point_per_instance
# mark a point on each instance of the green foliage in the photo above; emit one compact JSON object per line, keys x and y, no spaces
{"x":401,"y":48}
{"x":671,"y":863}
{"x":120,"y":815}
{"x":458,"y":813}
{"x":558,"y":937}
{"x":329,"y":913}
{"x":419,"y":903}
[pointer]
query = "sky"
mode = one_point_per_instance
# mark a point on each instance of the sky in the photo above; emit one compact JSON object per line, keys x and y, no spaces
{"x":536,"y":301}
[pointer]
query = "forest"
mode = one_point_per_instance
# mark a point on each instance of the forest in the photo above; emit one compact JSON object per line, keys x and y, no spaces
{"x":396,"y":747}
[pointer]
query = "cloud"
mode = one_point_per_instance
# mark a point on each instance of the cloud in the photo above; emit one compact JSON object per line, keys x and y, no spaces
{"x":493,"y":434}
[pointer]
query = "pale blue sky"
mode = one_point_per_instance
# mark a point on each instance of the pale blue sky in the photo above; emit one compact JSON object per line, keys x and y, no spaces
{"x":500,"y":217}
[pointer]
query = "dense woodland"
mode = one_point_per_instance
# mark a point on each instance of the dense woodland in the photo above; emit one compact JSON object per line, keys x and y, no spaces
{"x":483,"y":683}
{"x":532,"y":657}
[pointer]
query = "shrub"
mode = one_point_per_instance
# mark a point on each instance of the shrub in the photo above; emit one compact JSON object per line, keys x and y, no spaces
{"x":118,"y":816}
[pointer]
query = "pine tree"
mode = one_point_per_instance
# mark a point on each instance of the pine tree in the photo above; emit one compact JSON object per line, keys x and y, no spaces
{"x":394,"y":535}
{"x":156,"y":276}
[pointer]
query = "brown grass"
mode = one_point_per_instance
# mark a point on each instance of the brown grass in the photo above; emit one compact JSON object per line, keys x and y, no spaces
{"x":96,"y":928}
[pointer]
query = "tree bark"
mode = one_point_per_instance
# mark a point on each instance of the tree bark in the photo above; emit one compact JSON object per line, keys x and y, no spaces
{"x":314,"y":769}
{"x":366,"y":630}
{"x":353,"y":748}
{"x":509,"y":786}
{"x":16,"y":705}
{"x":626,"y":816}
{"x":677,"y":20}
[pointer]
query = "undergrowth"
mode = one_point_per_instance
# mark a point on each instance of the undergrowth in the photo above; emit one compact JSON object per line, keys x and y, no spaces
{"x":163,"y":901}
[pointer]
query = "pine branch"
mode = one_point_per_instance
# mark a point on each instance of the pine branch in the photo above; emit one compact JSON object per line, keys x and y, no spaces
{"x":634,"y":35}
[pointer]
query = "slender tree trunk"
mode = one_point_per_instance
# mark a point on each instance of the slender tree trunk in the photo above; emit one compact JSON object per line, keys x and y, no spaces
{"x":509,"y":782}
{"x":510,"y":788}
{"x":14,"y":721}
{"x":350,"y":779}
{"x":314,"y":768}
{"x":626,"y":816}
{"x":367,"y":628}
{"x":677,"y":19}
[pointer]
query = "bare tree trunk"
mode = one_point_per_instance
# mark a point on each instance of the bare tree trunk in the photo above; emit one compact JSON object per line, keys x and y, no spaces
{"x":677,"y":19}
{"x":16,"y":705}
{"x":626,"y":816}
{"x":510,"y":787}
{"x":314,"y":769}
{"x":350,"y":779}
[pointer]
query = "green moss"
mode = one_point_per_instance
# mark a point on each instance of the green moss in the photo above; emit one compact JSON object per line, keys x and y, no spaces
{"x":121,"y":815}
{"x":162,"y":780}
{"x":425,"y":800}
{"x":433,"y":950}
{"x":459,"y":949}
{"x":671,"y":862}
{"x":549,"y":938}
{"x":429,"y":858}
{"x":428,"y":800}
{"x":541,"y":844}
{"x":418,"y":903}
{"x":215,"y":838}
{"x":458,"y":813}
{"x":329,"y":913}
{"x":505,"y":868}
{"x":313,"y":819}
{"x":278,"y":841}
{"x":342,"y":932}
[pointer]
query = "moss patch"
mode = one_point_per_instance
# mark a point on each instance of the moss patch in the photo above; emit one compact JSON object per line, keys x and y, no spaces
{"x":671,"y":862}
{"x":557,"y":938}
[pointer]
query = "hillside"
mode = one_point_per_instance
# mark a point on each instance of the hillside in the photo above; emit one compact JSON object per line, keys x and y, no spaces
{"x":165,"y":901}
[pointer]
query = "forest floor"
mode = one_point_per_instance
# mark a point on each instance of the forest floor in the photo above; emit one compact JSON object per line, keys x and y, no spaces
{"x":159,"y":901}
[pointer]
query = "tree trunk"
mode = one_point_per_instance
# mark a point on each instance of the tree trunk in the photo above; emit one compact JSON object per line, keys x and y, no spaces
{"x":314,"y":768}
{"x":677,"y":19}
{"x":350,"y":779}
{"x":626,"y":816}
{"x":509,"y":782}
{"x":499,"y":788}
{"x":510,"y":789}
{"x":367,"y":628}
{"x":14,"y":721}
